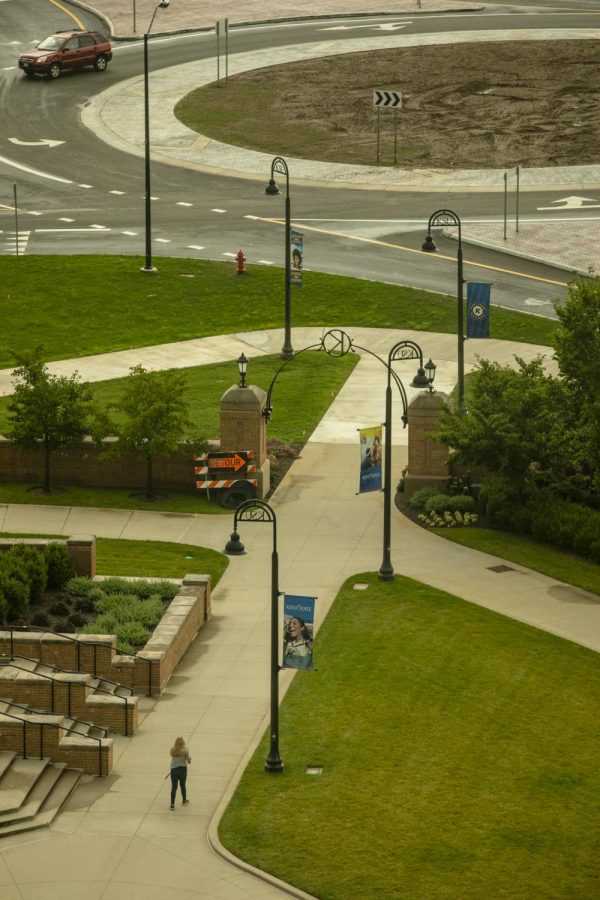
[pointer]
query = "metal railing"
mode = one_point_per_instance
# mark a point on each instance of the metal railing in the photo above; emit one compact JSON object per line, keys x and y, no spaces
{"x":43,"y":725}
{"x":69,"y":683}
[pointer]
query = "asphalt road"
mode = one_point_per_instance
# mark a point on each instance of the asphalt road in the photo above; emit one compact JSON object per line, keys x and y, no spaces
{"x":82,"y":196}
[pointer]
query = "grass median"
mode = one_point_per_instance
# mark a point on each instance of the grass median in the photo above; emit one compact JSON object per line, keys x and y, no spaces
{"x":106,"y":304}
{"x":459,"y":757}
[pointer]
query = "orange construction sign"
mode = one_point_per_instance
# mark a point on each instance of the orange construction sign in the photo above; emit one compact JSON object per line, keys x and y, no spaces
{"x":234,"y":462}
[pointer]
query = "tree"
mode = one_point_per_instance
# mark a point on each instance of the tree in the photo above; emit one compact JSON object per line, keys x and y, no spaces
{"x":514,"y":425}
{"x":48,"y":409}
{"x":155,"y":417}
{"x":577,"y":351}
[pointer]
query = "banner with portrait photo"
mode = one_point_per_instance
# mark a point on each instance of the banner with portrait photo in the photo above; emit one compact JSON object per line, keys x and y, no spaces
{"x":298,"y":631}
{"x":370,"y":459}
{"x":296,"y":257}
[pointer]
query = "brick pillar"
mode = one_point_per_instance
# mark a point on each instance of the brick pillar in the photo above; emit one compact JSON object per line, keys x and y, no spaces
{"x":243,"y":428}
{"x":427,"y":459}
{"x":82,"y":550}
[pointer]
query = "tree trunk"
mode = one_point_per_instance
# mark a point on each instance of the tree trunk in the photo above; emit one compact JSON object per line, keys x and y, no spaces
{"x":46,"y":466}
{"x":149,"y":479}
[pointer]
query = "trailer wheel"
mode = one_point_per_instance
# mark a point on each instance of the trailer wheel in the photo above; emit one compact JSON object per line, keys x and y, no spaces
{"x":231,"y":497}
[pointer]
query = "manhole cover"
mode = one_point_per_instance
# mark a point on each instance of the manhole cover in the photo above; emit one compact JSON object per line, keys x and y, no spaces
{"x":501,"y":568}
{"x":360,"y":586}
{"x":314,"y":770}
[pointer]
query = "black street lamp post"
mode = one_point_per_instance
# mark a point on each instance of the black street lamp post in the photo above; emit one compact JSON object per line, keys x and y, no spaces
{"x":148,"y":267}
{"x":258,"y":511}
{"x":447,"y":217}
{"x":401,"y":350}
{"x":280,"y":166}
{"x":336,"y":343}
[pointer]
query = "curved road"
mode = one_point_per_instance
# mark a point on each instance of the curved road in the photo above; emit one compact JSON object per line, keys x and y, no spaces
{"x":84,"y":196}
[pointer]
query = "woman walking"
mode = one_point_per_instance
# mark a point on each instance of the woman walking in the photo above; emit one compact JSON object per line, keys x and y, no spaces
{"x":180,"y":758}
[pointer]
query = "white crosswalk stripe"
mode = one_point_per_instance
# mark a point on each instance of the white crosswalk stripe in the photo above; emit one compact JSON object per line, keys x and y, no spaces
{"x":12,"y":244}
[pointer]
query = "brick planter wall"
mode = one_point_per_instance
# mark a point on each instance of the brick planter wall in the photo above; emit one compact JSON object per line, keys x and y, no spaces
{"x":77,"y":752}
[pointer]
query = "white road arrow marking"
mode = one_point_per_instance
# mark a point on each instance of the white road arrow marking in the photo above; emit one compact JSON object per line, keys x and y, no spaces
{"x":384,"y":26}
{"x":573,"y":203}
{"x":44,"y":142}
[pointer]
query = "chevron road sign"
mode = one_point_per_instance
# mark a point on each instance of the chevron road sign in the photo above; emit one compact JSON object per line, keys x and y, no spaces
{"x":387,"y":99}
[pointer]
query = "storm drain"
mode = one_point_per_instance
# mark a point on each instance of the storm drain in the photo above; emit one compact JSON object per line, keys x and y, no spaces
{"x":501,"y":568}
{"x":360,"y":586}
{"x":314,"y":770}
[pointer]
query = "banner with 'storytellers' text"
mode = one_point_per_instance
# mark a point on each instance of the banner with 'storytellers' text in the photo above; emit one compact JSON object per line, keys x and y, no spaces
{"x":370,"y":459}
{"x":298,"y":631}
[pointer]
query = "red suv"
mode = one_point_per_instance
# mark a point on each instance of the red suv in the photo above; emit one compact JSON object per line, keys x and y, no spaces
{"x":67,"y":50}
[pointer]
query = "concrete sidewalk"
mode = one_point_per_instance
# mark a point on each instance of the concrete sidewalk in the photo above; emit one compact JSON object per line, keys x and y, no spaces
{"x":118,"y":836}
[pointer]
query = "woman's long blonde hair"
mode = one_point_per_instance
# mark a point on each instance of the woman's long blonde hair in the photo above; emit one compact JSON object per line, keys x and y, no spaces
{"x":179,"y":748}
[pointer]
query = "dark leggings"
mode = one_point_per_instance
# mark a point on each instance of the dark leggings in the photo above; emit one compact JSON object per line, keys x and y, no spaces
{"x":178,"y":777}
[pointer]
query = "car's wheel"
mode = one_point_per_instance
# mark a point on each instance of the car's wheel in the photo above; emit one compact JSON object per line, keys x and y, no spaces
{"x":54,"y":70}
{"x":231,"y":497}
{"x":100,"y":63}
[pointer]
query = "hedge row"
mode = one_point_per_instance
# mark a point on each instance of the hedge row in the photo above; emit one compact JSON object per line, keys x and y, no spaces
{"x":26,"y":572}
{"x":543,"y":516}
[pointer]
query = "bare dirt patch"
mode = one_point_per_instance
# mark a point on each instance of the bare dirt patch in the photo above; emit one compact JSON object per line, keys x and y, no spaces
{"x":464,"y":106}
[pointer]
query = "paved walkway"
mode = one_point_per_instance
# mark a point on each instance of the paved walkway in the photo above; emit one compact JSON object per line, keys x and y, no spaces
{"x":118,"y":837}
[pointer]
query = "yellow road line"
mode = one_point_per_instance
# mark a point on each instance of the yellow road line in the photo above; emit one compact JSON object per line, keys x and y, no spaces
{"x":68,"y":12}
{"x":365,"y":240}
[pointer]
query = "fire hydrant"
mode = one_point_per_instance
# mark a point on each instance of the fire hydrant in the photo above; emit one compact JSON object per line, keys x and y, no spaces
{"x":241,"y":262}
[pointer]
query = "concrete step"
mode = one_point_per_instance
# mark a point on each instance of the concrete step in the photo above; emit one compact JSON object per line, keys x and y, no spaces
{"x":6,"y":758}
{"x":17,"y":782}
{"x":37,"y":794}
{"x":86,"y":729}
{"x":50,"y":806}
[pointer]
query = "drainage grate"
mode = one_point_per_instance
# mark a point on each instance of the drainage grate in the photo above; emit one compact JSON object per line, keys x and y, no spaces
{"x":360,"y":586}
{"x":501,"y":568}
{"x":314,"y":770}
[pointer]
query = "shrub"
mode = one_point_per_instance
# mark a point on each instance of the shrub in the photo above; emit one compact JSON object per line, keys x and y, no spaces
{"x":29,"y":566}
{"x":76,"y":621}
{"x":80,"y":585}
{"x":41,"y":620}
{"x":420,"y":497}
{"x":85,"y":605}
{"x":14,"y":588}
{"x":448,"y":519}
{"x":59,"y":565}
{"x":461,"y":503}
{"x":131,"y":635}
{"x":438,"y":503}
{"x":59,"y":609}
{"x":496,"y":497}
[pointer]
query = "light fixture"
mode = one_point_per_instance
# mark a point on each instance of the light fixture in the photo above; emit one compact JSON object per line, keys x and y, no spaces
{"x":242,"y":364}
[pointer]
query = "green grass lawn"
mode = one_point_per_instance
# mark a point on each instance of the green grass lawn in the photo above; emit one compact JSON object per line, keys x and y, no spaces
{"x":460,"y":758}
{"x":524,"y":551}
{"x":303,"y":392}
{"x":106,"y":304}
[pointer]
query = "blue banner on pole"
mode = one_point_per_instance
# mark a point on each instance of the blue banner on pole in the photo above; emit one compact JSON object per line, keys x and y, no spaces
{"x":297,"y":257}
{"x":370,"y":459}
{"x":478,"y":309}
{"x":298,"y":631}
